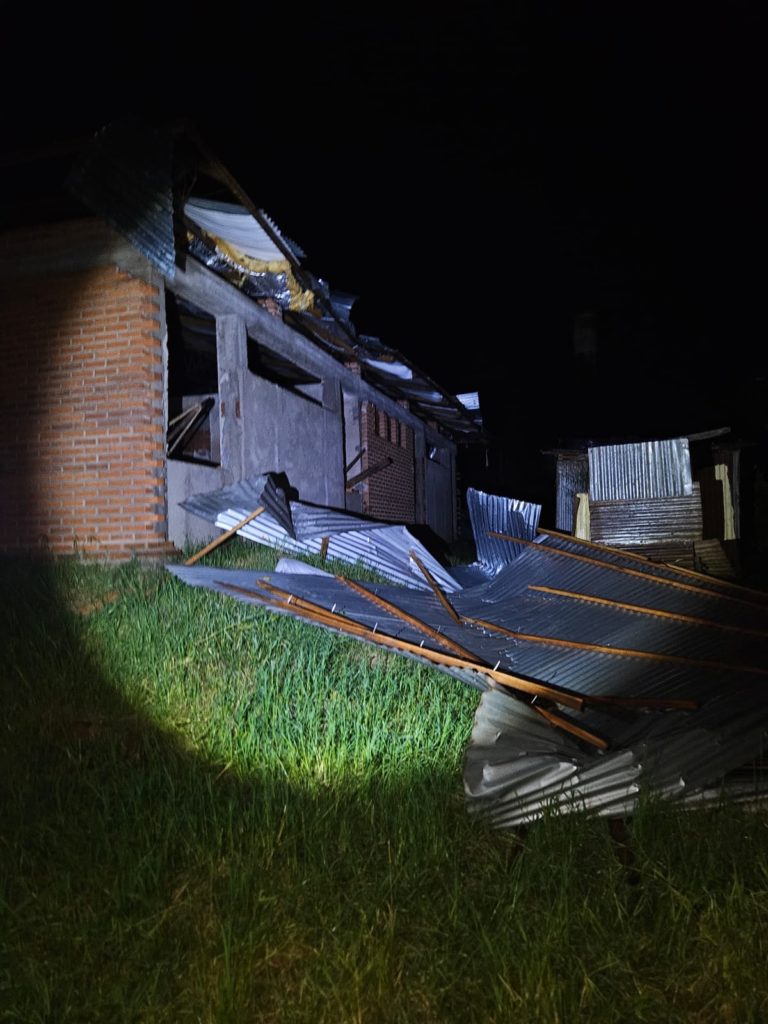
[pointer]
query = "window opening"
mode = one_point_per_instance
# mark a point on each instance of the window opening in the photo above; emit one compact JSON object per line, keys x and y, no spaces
{"x":264,"y":363}
{"x":193,"y":383}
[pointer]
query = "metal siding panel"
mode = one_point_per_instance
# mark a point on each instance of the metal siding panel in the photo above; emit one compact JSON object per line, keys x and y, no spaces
{"x":572,"y":479}
{"x":647,"y":469}
{"x":491,"y":513}
{"x":646,"y":521}
{"x":299,"y":528}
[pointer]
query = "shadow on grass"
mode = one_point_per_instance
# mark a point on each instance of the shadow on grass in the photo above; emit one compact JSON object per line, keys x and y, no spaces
{"x":141,"y":882}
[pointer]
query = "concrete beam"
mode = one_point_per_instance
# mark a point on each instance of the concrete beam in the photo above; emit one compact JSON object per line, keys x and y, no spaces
{"x":232,"y":356}
{"x":200,"y":286}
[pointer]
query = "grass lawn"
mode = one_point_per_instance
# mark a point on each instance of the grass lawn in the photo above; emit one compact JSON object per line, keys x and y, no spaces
{"x":209,"y":813}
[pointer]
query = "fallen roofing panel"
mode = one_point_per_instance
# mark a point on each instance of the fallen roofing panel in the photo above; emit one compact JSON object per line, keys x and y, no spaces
{"x":248,"y":494}
{"x":300,"y":528}
{"x":491,"y":514}
{"x":598,"y":690}
{"x":517,"y":768}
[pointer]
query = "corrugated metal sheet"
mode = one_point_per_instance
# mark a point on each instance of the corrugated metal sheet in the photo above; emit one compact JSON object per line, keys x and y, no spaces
{"x":647,"y":521}
{"x":235,"y":225}
{"x":490,"y":513}
{"x":124,"y":177}
{"x":594,"y":629}
{"x":572,"y":479}
{"x":508,"y":786}
{"x":300,"y":528}
{"x":647,"y":469}
{"x":248,"y":494}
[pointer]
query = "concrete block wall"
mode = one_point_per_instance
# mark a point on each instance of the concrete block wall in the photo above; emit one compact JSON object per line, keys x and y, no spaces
{"x":390,"y":493}
{"x":82,"y":433}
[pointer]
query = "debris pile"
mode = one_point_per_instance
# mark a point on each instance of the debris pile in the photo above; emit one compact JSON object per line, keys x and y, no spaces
{"x":299,"y":528}
{"x":604,"y":675}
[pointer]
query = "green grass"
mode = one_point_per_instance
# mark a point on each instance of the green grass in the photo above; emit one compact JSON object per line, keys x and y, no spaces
{"x":212,"y":814}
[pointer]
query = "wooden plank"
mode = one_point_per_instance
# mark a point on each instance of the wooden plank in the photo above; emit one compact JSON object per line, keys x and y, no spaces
{"x":217,"y":541}
{"x":568,"y":725}
{"x":398,"y":613}
{"x":436,"y":589}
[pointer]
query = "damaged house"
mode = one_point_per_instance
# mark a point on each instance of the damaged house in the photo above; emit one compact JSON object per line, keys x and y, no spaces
{"x":161,"y":338}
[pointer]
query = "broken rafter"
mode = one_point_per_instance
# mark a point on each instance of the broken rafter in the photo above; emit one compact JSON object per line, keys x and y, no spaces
{"x":376,"y":468}
{"x":411,"y":620}
{"x":436,"y":589}
{"x":194,"y":416}
{"x":561,"y":721}
{"x":357,"y":458}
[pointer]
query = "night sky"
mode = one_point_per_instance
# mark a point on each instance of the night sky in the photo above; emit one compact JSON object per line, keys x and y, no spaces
{"x":480,"y":180}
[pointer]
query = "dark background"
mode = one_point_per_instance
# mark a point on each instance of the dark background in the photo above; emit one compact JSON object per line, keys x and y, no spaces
{"x":480,"y":179}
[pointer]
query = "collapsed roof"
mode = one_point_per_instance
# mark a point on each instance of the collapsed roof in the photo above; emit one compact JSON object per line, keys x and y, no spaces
{"x":162,"y":188}
{"x":300,"y":528}
{"x":606,"y":676}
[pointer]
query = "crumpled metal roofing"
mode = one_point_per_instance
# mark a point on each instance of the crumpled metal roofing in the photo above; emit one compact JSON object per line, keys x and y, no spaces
{"x":572,"y":479}
{"x":390,"y":372}
{"x":125,"y":177}
{"x":248,"y":495}
{"x":301,"y":528}
{"x":607,"y":676}
{"x":491,"y":513}
{"x":517,"y":768}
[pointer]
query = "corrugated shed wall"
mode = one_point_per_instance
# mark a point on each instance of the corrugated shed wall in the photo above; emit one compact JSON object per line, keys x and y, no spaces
{"x":647,"y":469}
{"x":649,"y":521}
{"x":572,"y":479}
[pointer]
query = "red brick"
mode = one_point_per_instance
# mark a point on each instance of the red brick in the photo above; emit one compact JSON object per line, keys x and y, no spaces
{"x":82,"y":364}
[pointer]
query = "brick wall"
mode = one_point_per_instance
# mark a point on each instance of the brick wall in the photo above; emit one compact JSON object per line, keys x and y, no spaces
{"x":81,"y":405}
{"x":389,"y":493}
